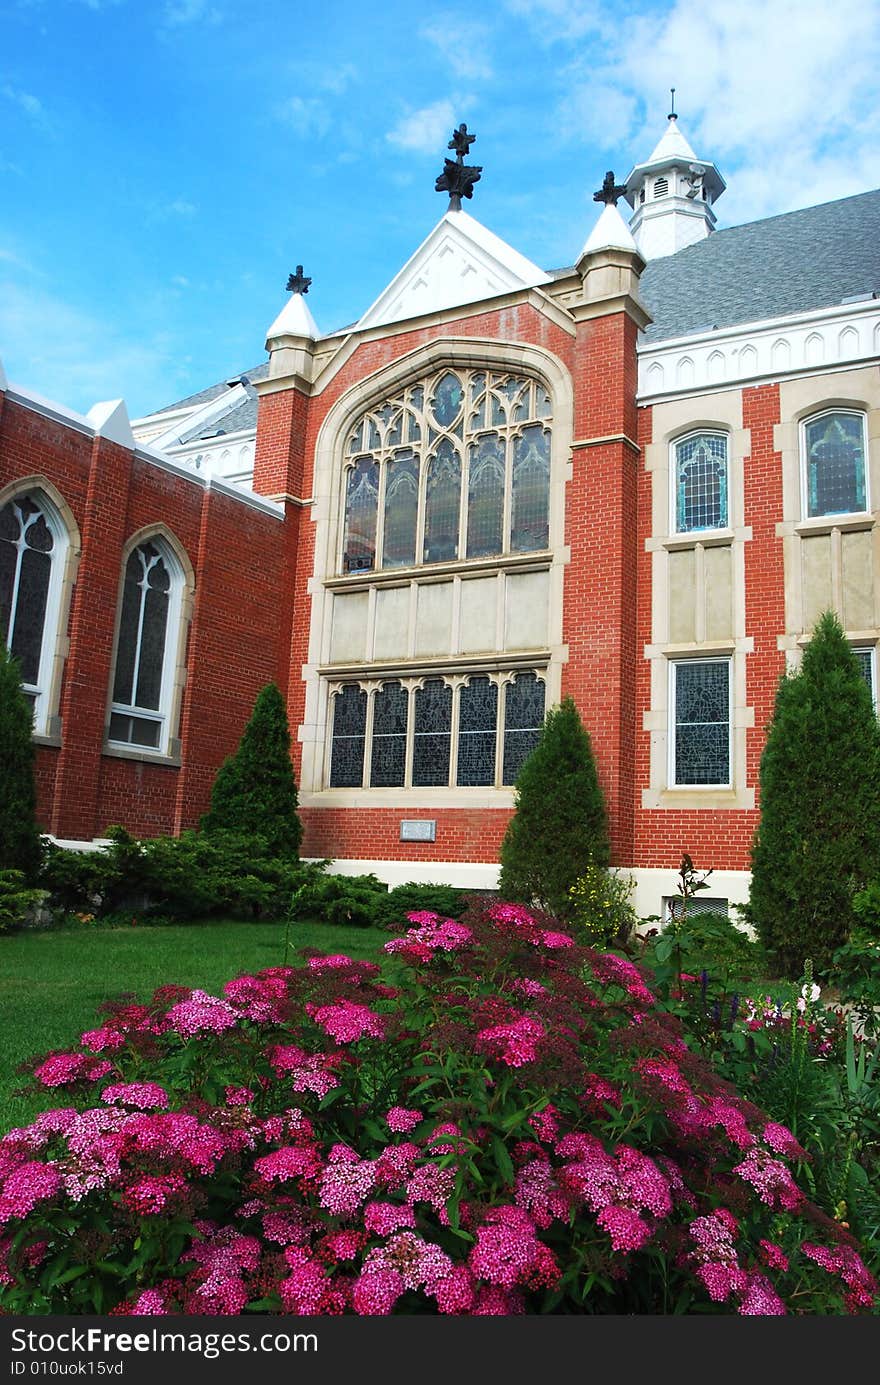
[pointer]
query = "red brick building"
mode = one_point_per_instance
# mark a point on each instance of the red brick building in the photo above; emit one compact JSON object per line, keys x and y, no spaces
{"x":638,"y":480}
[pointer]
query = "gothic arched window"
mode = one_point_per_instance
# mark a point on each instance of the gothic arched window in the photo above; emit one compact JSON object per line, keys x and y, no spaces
{"x":836,"y":482}
{"x":32,"y":549}
{"x":701,"y":482}
{"x":456,"y":466}
{"x":149,"y":629}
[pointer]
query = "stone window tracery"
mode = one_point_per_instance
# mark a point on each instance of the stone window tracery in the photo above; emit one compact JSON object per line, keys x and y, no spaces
{"x":834,"y":454}
{"x":454,"y":467}
{"x":149,"y":626}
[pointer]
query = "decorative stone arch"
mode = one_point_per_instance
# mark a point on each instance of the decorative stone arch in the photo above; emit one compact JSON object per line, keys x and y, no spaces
{"x":55,"y":642}
{"x":174,"y":672}
{"x":464,"y":353}
{"x":327,"y":511}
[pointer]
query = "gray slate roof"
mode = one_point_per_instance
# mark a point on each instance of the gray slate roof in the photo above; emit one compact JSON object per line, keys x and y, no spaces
{"x":786,"y":264}
{"x":814,"y":258}
{"x":240,"y":419}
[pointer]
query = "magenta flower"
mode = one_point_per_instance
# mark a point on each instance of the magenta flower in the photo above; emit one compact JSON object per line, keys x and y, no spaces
{"x":514,"y":1044}
{"x":25,"y":1187}
{"x":144,"y":1095}
{"x":202,"y":1014}
{"x":346,"y":1022}
{"x":401,"y":1119}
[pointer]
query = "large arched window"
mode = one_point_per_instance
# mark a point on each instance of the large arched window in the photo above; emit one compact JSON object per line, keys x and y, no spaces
{"x":834,"y":448}
{"x":456,"y":466}
{"x":33,"y":548}
{"x":146,"y":648}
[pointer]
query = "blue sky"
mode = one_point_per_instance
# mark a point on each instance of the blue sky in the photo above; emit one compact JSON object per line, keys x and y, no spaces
{"x":165,"y":163}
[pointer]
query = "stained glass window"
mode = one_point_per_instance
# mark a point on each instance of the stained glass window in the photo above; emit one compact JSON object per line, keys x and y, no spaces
{"x":529,"y":522}
{"x":477,"y":723}
{"x":361,"y":503}
{"x":141,"y":649}
{"x":388,"y":757}
{"x":26,"y":547}
{"x":523,"y":719}
{"x":410,"y":452}
{"x":442,"y":504}
{"x":835,"y":446}
{"x":865,"y":661}
{"x":702,"y":721}
{"x":701,"y":482}
{"x":485,"y":535}
{"x":431,"y":741}
{"x":401,"y":511}
{"x":349,"y":738}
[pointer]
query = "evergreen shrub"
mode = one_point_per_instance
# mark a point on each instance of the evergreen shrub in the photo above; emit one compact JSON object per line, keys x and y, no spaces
{"x":559,"y":828}
{"x":817,"y":842}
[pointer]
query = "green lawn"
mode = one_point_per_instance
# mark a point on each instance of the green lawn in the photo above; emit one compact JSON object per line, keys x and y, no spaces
{"x":51,"y":983}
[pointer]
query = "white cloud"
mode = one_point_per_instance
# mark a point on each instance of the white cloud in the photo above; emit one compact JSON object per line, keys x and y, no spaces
{"x":782,"y":96}
{"x":89,"y":359}
{"x":26,"y":101}
{"x":178,"y":13}
{"x":306,"y":115}
{"x":464,"y":43}
{"x":425,"y":131}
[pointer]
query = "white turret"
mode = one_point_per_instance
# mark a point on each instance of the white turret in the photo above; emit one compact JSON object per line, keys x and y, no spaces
{"x":672,"y":196}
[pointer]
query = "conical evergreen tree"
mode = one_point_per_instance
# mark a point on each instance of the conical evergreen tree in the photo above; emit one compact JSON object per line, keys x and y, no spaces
{"x":19,"y":835}
{"x":255,"y":790}
{"x":560,"y":824}
{"x":818,"y":840}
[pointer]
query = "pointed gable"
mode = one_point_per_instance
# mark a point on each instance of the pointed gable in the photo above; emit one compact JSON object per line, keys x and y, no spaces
{"x":459,"y":262}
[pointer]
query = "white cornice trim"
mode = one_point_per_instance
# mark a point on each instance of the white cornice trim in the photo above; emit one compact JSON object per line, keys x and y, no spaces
{"x":823,"y":339}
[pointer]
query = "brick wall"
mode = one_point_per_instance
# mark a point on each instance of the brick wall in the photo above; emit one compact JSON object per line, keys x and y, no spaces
{"x":238,"y":557}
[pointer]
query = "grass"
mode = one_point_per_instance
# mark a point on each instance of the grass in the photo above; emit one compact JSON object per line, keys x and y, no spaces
{"x":52,"y":983}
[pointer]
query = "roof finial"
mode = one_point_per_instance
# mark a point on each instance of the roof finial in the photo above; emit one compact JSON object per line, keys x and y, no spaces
{"x":298,"y":283}
{"x":609,"y":191}
{"x":458,"y":178}
{"x":672,"y":114}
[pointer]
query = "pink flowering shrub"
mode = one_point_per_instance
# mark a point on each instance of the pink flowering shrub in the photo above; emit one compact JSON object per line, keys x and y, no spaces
{"x":494,"y":1122}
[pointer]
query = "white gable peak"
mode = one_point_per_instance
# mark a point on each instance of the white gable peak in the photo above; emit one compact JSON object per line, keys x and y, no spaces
{"x":460,"y":262}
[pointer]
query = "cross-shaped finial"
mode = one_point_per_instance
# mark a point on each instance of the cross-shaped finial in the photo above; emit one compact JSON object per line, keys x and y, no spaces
{"x":298,"y":283}
{"x":609,"y":191}
{"x":461,"y":142}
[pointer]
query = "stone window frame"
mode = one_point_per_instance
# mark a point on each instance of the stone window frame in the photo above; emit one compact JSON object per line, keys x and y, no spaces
{"x":372,"y":686}
{"x":854,"y":411}
{"x":55,"y":644}
{"x":710,"y":412}
{"x":174,"y":671}
{"x":674,"y":665}
{"x":674,"y":444}
{"x":326,"y":514}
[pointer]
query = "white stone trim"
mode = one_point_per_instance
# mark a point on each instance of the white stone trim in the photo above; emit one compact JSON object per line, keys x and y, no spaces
{"x":751,"y":352}
{"x":653,"y":885}
{"x":466,"y":875}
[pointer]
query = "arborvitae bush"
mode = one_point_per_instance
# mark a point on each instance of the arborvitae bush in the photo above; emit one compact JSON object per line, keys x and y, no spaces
{"x":255,"y":791}
{"x":19,"y":835}
{"x":818,"y":840}
{"x":560,"y":826}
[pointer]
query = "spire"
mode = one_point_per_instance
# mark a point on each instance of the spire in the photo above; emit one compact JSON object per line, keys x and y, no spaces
{"x":672,"y":194}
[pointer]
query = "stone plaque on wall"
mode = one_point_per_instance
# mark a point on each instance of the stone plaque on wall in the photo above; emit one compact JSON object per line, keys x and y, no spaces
{"x":418,"y":830}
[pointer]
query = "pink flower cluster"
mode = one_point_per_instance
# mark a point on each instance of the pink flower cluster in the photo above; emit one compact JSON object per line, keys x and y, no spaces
{"x":401,"y":1119}
{"x":347,"y":1022}
{"x":719,"y":1270}
{"x":307,"y":1072}
{"x":848,"y":1264}
{"x":770,"y":1179}
{"x":260,"y":998}
{"x":432,"y":935}
{"x":63,"y":1069}
{"x":202,"y":1014}
{"x":515,"y":1043}
{"x":146,"y":1096}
